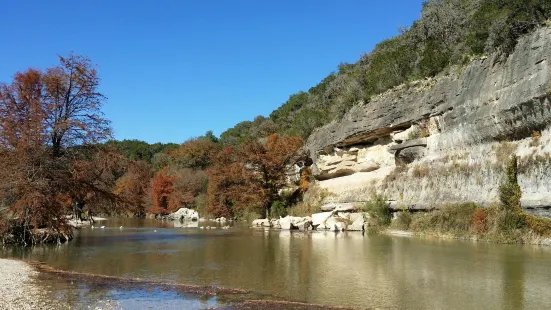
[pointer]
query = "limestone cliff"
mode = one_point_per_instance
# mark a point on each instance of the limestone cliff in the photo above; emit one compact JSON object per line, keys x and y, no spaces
{"x":441,"y":140}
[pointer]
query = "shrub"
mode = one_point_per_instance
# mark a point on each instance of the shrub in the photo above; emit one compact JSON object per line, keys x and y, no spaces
{"x":420,"y":171}
{"x":541,"y":226}
{"x":478,"y":220}
{"x":509,"y":190}
{"x":536,"y":135}
{"x":455,"y":219}
{"x":303,"y":209}
{"x":379,"y":210}
{"x":278,"y":209}
{"x":403,"y":220}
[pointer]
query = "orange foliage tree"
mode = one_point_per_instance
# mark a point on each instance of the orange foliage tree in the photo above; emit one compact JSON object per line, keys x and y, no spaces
{"x":269,"y":164}
{"x":45,"y":120}
{"x":228,"y":190}
{"x":253,"y":176}
{"x":162,"y":187}
{"x":133,"y":188}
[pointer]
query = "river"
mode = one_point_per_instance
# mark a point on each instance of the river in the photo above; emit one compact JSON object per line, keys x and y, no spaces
{"x":341,"y":269}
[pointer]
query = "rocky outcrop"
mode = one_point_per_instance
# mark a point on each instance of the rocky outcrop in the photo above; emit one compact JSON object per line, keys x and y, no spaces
{"x":491,"y":98}
{"x":440,"y":140}
{"x":340,"y":219}
{"x":183,"y":214}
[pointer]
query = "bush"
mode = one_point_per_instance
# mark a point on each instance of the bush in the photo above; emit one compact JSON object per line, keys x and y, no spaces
{"x":379,"y":210}
{"x":509,"y":190}
{"x":303,"y":209}
{"x":403,"y":220}
{"x":278,"y":209}
{"x":478,"y":220}
{"x":541,"y":226}
{"x":420,"y":171}
{"x":536,"y":135}
{"x":455,"y":219}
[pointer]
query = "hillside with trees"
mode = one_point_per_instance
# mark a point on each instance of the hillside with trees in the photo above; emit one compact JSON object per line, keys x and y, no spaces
{"x":449,"y":33}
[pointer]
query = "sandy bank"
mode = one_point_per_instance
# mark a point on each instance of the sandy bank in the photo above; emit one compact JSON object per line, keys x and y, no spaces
{"x":19,"y":289}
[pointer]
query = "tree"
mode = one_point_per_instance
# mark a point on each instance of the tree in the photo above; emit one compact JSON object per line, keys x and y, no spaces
{"x":132,"y":188}
{"x":162,"y":187}
{"x":73,"y":103}
{"x":229,"y":191}
{"x":269,"y":164}
{"x":47,"y":121}
{"x":188,"y":185}
{"x":194,"y":154}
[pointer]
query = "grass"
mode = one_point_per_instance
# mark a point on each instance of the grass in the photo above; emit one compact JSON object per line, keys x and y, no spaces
{"x":536,"y":136}
{"x":503,"y":151}
{"x":379,"y":211}
{"x":420,"y":171}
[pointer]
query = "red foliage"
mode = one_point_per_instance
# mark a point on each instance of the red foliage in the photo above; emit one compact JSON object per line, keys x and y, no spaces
{"x":252,"y":177}
{"x":162,"y":186}
{"x":478,"y":220}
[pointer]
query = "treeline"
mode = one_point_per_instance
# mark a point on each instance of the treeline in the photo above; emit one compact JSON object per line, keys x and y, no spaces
{"x":57,"y":159}
{"x":217,"y":180}
{"x":449,"y":32}
{"x":58,"y":162}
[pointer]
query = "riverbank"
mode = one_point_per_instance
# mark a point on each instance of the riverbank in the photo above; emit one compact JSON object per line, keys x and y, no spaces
{"x":19,"y":289}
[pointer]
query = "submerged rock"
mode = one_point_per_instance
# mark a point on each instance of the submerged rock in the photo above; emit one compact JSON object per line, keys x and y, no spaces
{"x":261,"y":223}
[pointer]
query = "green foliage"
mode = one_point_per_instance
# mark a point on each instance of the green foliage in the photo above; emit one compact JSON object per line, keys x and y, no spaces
{"x":236,"y":135}
{"x":509,"y":190}
{"x":449,"y":32}
{"x":140,"y":150}
{"x":498,"y":24}
{"x":278,"y":209}
{"x":379,"y":210}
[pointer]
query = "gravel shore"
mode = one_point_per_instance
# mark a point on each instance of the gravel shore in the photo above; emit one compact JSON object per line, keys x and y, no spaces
{"x":19,"y":290}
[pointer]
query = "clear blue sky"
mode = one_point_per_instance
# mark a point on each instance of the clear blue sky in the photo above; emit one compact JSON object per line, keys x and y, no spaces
{"x":175,"y":69}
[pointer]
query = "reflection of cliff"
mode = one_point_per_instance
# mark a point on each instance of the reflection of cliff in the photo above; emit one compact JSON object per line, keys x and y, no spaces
{"x":437,"y":140}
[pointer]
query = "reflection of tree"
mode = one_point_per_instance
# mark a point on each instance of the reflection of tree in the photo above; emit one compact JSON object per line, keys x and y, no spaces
{"x":513,"y":282}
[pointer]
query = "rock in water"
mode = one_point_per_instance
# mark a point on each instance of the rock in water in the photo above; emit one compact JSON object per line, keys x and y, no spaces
{"x":261,"y":223}
{"x":183,"y":214}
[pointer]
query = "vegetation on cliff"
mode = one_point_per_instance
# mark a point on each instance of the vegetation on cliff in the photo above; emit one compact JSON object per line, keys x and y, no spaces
{"x":449,"y":32}
{"x":504,"y":222}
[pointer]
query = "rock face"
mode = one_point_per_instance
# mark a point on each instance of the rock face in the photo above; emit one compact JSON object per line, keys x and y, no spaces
{"x":440,"y":140}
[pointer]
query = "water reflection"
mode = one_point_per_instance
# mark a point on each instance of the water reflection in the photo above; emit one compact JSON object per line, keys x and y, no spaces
{"x":350,"y":269}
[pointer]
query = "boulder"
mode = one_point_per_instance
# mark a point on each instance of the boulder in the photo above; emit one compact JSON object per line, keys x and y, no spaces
{"x":285,"y":223}
{"x":303,"y":226}
{"x":339,"y":206}
{"x":358,"y":222}
{"x":320,"y":218}
{"x":183,"y":214}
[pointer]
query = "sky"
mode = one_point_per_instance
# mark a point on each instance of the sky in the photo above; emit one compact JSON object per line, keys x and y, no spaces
{"x":172,"y":70}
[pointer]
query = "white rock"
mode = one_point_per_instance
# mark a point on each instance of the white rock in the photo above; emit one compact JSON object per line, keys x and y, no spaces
{"x":285,"y":222}
{"x":320,"y":218}
{"x":183,"y":214}
{"x":358,"y":222}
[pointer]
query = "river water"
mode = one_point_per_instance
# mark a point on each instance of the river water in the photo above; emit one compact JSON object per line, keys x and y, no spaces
{"x":327,"y":268}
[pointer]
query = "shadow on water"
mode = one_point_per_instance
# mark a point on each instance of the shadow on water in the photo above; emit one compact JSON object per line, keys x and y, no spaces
{"x":339,"y":269}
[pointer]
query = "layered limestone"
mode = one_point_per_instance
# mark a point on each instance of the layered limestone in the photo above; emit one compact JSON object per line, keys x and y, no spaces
{"x":440,"y":140}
